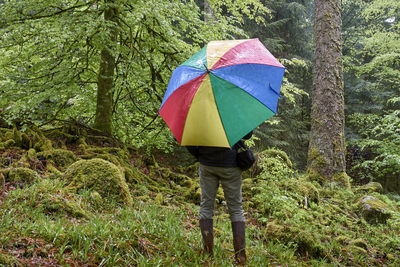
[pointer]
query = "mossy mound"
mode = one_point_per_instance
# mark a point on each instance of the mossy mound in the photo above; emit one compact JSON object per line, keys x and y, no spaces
{"x":118,"y":156}
{"x":273,"y":164}
{"x":59,"y":157}
{"x":19,"y":175}
{"x":306,"y":242}
{"x":341,"y":179}
{"x":370,"y":187}
{"x":62,"y":203}
{"x":49,"y":197}
{"x":101,"y":176}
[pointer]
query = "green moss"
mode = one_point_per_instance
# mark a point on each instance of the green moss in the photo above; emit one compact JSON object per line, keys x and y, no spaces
{"x":342,"y":179}
{"x":143,"y":198}
{"x":316,"y":160}
{"x":357,"y":250}
{"x":193,"y":194}
{"x":53,"y":170}
{"x":343,"y":240}
{"x":159,"y":199}
{"x":31,"y":154}
{"x":370,"y":187}
{"x":9,"y":260}
{"x":220,"y":195}
{"x":278,"y":154}
{"x":17,"y":136}
{"x":273,"y":164}
{"x":9,"y":135}
{"x":46,"y":145}
{"x":304,"y":188}
{"x":20,"y":175}
{"x":60,"y":157}
{"x":48,"y":197}
{"x":116,"y":151}
{"x":26,"y":142}
{"x":307,"y":242}
{"x":63,"y":205}
{"x":361,"y":243}
{"x":274,"y":230}
{"x":99,"y":175}
{"x":82,"y":142}
{"x":40,"y":142}
{"x":8,"y":143}
{"x":373,"y":209}
{"x":61,"y":135}
{"x":167,"y":175}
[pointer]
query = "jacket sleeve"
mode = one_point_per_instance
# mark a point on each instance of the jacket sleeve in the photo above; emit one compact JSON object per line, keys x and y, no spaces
{"x":194,"y":150}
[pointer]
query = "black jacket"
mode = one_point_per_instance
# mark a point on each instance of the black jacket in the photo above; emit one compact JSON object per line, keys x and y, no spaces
{"x":216,"y":156}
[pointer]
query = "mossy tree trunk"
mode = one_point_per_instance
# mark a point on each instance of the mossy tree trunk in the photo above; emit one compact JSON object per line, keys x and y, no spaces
{"x":326,"y":154}
{"x":105,"y":81}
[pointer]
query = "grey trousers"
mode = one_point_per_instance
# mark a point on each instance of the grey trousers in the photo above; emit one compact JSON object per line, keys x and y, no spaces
{"x":231,"y":181}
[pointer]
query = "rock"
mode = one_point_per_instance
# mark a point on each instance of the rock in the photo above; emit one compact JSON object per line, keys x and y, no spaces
{"x":373,"y":210}
{"x":99,"y":175}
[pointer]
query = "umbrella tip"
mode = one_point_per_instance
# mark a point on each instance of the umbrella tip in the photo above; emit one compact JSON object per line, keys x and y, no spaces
{"x":208,"y":71}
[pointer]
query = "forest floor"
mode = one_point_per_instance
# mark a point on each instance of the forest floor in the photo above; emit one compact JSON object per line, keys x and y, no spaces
{"x":72,"y":198}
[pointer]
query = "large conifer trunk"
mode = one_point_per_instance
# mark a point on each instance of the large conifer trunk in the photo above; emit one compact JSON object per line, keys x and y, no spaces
{"x":105,"y":81}
{"x":326,"y":155}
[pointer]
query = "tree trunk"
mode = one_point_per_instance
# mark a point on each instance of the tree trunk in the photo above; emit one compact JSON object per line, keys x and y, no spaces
{"x":326,"y":153}
{"x":105,"y":80}
{"x":208,"y":13}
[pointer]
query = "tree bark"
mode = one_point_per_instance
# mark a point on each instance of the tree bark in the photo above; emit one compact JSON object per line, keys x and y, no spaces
{"x":208,"y":13}
{"x":326,"y":154}
{"x":105,"y":80}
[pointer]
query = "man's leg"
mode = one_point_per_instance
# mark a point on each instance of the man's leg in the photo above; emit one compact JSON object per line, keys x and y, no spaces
{"x":209,"y":186}
{"x":232,"y":185}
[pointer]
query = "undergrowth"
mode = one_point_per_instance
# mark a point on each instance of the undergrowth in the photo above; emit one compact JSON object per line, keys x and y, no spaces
{"x":291,"y":219}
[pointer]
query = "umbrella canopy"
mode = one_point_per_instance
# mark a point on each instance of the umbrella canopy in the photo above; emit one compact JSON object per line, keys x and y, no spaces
{"x":222,"y":93}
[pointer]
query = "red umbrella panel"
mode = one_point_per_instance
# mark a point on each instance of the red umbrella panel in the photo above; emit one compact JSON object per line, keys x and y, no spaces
{"x":222,"y":93}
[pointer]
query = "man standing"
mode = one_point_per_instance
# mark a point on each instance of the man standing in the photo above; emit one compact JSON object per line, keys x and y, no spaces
{"x":217,"y":165}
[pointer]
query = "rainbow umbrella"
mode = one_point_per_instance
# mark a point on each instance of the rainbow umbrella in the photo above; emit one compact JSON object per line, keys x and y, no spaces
{"x":222,"y":92}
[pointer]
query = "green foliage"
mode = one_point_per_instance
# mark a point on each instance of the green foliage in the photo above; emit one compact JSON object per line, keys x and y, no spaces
{"x":371,"y":54}
{"x":288,"y":130}
{"x":378,"y":152}
{"x":51,"y":53}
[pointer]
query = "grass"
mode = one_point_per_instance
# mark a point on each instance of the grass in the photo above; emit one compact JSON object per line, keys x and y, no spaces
{"x":144,"y":235}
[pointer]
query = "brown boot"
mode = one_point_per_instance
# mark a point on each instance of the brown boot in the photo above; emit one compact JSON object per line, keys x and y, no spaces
{"x":206,"y":227}
{"x":239,"y":242}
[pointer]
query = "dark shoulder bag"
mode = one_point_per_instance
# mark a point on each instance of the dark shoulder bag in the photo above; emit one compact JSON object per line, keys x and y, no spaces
{"x":244,"y":156}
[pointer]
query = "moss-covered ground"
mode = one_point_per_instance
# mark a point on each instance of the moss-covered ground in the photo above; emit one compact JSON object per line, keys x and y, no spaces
{"x":71,"y":198}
